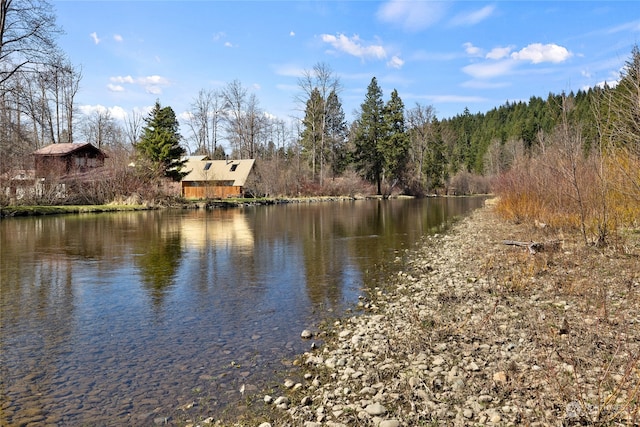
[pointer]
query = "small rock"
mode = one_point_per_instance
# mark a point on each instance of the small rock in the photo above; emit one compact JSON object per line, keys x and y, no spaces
{"x":500,"y":377}
{"x":306,"y":334}
{"x":389,"y":423}
{"x":344,"y":334}
{"x":288,"y":383}
{"x":268,"y":399}
{"x":265,"y":425}
{"x":282,"y":399}
{"x":374,"y":409}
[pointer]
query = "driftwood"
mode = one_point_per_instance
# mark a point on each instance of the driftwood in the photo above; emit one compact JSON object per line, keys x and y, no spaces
{"x":534,"y":246}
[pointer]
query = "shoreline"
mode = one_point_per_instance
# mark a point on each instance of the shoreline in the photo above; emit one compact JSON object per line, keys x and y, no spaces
{"x":474,"y":332}
{"x":12,"y":211}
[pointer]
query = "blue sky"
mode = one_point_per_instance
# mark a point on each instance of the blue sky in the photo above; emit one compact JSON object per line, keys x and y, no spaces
{"x":449,"y":55}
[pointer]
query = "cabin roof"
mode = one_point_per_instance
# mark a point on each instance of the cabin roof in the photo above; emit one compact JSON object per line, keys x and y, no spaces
{"x":236,"y":171}
{"x":64,"y":149}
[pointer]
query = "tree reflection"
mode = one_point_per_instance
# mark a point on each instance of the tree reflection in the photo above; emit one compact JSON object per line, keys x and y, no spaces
{"x":158,"y":264}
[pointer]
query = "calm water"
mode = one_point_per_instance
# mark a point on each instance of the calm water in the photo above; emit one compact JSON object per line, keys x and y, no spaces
{"x":122,"y":318}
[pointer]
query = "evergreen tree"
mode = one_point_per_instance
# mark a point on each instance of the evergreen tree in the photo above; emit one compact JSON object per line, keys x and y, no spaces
{"x":336,"y":129}
{"x":435,"y":162}
{"x":394,"y":146}
{"x":312,"y":135}
{"x":159,"y":145}
{"x":369,"y":133}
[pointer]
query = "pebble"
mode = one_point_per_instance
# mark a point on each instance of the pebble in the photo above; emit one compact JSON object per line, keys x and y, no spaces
{"x":375,"y":409}
{"x":442,"y":341}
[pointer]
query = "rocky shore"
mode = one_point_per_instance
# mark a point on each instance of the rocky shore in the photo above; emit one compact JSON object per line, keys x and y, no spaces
{"x":475,"y":332}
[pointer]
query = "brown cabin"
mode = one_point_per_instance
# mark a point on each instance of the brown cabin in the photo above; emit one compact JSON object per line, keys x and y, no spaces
{"x":57,"y":160}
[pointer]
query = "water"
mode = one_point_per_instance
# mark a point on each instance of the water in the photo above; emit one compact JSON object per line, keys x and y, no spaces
{"x":129,"y":318}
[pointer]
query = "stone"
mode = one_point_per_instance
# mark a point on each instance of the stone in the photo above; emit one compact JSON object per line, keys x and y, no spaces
{"x":389,"y":423}
{"x":306,"y":334}
{"x":500,"y":377}
{"x":344,"y":334}
{"x":437,"y":361}
{"x":265,"y":425}
{"x":282,"y":399}
{"x":374,"y":409}
{"x":268,"y":399}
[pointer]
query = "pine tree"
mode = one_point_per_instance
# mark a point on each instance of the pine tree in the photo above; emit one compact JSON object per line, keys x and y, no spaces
{"x":159,"y":145}
{"x":369,"y":132}
{"x":394,"y":146}
{"x":336,"y":129}
{"x":312,"y":135}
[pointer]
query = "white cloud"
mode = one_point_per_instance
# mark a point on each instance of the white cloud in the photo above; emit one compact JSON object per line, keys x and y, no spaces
{"x":489,"y":70}
{"x":151,"y":84}
{"x":153,"y":90}
{"x":118,"y":38}
{"x":94,"y":37}
{"x":115,"y":88}
{"x":292,"y":34}
{"x":472,"y":50}
{"x":153,"y":80}
{"x":395,"y":62}
{"x":499,"y":52}
{"x":353,"y":46}
{"x":474,"y":17}
{"x":538,"y":52}
{"x":122,"y":79}
{"x":412,"y":15}
{"x":116,"y":112}
{"x":607,"y":83}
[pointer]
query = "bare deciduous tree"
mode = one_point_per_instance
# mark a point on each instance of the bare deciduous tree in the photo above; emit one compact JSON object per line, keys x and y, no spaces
{"x":205,"y":116}
{"x":27,"y":35}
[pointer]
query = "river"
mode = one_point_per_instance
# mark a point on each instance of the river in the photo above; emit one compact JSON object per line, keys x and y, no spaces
{"x":132,"y":318}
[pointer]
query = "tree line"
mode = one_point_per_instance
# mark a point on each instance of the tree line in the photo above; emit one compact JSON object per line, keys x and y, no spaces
{"x":388,"y":147}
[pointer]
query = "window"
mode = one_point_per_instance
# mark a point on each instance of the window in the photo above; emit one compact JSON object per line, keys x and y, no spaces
{"x":234,"y":167}
{"x":207,"y":166}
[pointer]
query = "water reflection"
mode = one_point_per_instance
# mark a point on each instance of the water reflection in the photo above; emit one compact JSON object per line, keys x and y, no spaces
{"x":122,"y":318}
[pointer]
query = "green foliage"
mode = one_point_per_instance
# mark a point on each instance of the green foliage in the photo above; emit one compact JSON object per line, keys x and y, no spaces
{"x":159,"y":146}
{"x":336,"y":129}
{"x":394,"y":146}
{"x":369,"y":132}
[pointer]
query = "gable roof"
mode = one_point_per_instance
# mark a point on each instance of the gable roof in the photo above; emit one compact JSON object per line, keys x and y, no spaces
{"x":235,"y":172}
{"x":64,"y":149}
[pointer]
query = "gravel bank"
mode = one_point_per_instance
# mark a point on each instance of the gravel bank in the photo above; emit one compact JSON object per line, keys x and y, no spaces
{"x":475,"y":332}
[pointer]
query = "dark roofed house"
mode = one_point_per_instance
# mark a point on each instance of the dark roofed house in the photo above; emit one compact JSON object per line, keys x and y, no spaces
{"x":58,"y":160}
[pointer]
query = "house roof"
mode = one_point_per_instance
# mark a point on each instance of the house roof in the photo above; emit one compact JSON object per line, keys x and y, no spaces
{"x":64,"y":148}
{"x":236,"y":171}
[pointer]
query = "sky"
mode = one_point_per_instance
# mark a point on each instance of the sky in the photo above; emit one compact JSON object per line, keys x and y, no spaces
{"x":448,"y":55}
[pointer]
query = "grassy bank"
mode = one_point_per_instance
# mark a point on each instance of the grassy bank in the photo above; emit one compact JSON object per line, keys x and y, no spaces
{"x":13,"y":211}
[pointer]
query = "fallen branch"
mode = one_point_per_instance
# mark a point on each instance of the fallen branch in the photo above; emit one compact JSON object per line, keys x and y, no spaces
{"x":532,"y":246}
